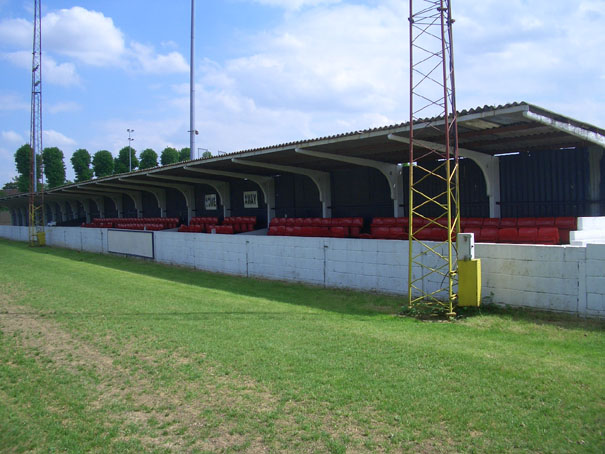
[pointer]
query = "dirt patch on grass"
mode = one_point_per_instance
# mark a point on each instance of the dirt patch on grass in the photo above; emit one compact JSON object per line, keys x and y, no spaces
{"x":211,"y":412}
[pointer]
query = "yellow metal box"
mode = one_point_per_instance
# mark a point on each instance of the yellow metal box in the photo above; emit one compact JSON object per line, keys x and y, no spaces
{"x":469,"y":282}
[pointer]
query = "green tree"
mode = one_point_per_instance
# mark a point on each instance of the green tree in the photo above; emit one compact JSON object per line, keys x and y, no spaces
{"x":121,"y":163}
{"x":54,"y":166}
{"x":80,"y":161}
{"x":184,"y":154}
{"x":12,"y":184}
{"x":169,"y":156}
{"x":102,"y":163}
{"x":206,"y":154}
{"x":22,"y":162}
{"x":149,"y":158}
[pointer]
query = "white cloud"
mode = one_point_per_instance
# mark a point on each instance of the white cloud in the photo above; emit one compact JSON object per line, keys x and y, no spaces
{"x":59,"y":73}
{"x":66,"y":106}
{"x":323,"y":69}
{"x":295,"y":4}
{"x":16,"y":31}
{"x":86,"y":37}
{"x":12,"y":136}
{"x":152,"y":63}
{"x":54,"y":138}
{"x":545,"y":53}
{"x":63,"y":74}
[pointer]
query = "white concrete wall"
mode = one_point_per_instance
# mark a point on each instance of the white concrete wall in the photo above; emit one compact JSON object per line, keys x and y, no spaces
{"x":567,"y":279}
{"x":590,"y":230}
{"x":595,"y":280}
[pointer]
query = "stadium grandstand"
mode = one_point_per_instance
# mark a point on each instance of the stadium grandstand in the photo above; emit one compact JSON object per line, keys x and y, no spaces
{"x":527,"y":176}
{"x":518,"y":161}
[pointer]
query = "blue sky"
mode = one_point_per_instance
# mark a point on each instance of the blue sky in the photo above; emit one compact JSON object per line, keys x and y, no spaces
{"x":270,"y":71}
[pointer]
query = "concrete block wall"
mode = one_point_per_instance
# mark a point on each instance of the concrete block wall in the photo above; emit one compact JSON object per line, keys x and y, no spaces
{"x":595,"y":280}
{"x":567,"y":279}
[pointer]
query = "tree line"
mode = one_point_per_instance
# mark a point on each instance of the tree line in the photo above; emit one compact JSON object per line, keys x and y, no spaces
{"x":87,"y":166}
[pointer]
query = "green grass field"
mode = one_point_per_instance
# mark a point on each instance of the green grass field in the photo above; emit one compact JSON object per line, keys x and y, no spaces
{"x":106,"y":354}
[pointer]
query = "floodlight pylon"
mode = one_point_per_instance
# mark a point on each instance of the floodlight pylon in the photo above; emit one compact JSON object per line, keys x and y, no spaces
{"x":433,"y":158}
{"x":36,"y":194}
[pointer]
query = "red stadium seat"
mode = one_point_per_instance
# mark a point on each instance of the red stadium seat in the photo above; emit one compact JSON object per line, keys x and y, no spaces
{"x":548,"y":235}
{"x":491,"y":222}
{"x":568,"y":223}
{"x":398,"y":233}
{"x":472,"y":222}
{"x":545,"y":222}
{"x":526,"y":222}
{"x":528,"y":235}
{"x":565,"y":225}
{"x":508,"y":222}
{"x":339,"y":232}
{"x":508,"y":235}
{"x":380,"y":232}
{"x":489,"y":234}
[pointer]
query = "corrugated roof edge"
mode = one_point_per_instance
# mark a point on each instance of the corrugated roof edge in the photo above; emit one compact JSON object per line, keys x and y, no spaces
{"x":473,"y":111}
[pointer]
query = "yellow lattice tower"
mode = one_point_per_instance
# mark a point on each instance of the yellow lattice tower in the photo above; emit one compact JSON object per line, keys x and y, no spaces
{"x":433,"y":158}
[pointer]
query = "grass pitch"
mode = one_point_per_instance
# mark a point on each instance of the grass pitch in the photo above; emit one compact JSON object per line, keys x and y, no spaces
{"x":106,"y":354}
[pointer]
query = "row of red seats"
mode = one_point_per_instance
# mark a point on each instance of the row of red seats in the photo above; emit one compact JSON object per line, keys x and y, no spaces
{"x":397,"y":228}
{"x":316,"y":227}
{"x":521,"y":235}
{"x":562,"y":222}
{"x":241,"y":223}
{"x":109,"y":223}
{"x":199,"y":228}
{"x":230,"y":225}
{"x":131,"y":226}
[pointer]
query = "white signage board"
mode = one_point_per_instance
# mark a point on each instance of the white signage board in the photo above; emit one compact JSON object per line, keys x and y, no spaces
{"x":250,"y":199}
{"x":210,"y":201}
{"x":130,"y":242}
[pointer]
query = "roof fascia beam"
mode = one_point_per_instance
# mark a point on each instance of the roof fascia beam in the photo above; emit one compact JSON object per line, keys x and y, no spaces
{"x":575,"y":131}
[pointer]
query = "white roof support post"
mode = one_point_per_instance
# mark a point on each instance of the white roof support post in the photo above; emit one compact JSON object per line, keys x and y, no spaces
{"x":222,"y":187}
{"x":116,"y":197}
{"x":63,"y":210}
{"x":266,"y":184}
{"x":187,"y":191}
{"x":321,"y":180}
{"x":489,"y":165}
{"x":81,"y":197}
{"x":58,"y":212}
{"x":392,"y":172}
{"x":75,"y":208}
{"x":135,"y":194}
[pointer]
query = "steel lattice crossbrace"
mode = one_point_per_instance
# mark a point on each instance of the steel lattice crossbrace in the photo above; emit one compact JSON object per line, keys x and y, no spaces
{"x":432,"y":164}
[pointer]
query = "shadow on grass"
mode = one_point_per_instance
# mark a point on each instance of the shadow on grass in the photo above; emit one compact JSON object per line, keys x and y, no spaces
{"x":342,"y":301}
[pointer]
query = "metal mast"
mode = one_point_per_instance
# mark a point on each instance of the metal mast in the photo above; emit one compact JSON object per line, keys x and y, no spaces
{"x":433,"y":162}
{"x":36,"y":195}
{"x":192,"y":130}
